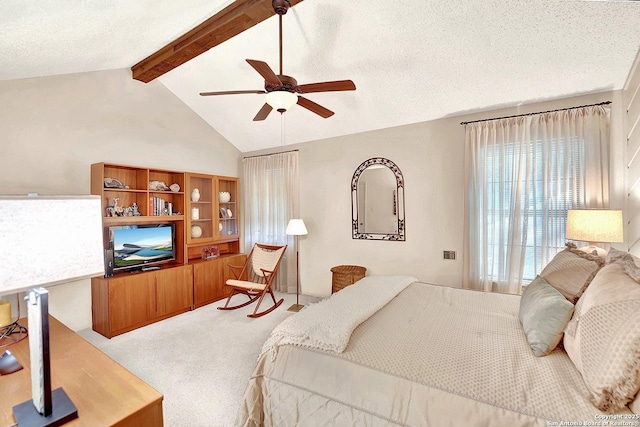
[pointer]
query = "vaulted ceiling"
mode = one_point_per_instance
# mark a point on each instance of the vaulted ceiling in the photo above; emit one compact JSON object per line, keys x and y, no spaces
{"x":411,"y":61}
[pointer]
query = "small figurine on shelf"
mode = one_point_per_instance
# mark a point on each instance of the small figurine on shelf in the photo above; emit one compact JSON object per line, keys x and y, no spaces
{"x":118,"y":210}
{"x":210,"y":252}
{"x":114,"y":183}
{"x":134,"y":209}
{"x":158,"y":186}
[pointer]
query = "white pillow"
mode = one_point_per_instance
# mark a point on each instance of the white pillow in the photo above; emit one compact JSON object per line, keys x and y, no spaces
{"x":571,"y":271}
{"x":603,"y":338}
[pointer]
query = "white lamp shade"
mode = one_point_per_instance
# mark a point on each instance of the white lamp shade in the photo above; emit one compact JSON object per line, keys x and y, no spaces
{"x":281,"y":100}
{"x":296,"y":227}
{"x":48,"y":240}
{"x":595,"y":225}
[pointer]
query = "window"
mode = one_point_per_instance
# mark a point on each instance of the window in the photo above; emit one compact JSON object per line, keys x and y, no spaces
{"x":552,"y":182}
{"x":523,"y":173}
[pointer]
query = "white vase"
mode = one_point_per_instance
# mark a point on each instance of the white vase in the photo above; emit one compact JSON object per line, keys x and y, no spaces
{"x":195,"y":195}
{"x":196,"y":231}
{"x":225,"y":196}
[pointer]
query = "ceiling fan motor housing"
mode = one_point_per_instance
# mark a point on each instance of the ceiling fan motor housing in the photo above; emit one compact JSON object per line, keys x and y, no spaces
{"x":280,"y":6}
{"x":289,"y":84}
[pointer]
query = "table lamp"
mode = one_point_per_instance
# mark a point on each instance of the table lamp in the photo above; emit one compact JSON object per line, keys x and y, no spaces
{"x":296,"y":228}
{"x":47,"y":240}
{"x":595,"y":226}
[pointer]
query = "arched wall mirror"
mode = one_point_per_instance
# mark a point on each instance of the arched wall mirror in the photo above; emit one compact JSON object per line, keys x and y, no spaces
{"x":377,"y":201}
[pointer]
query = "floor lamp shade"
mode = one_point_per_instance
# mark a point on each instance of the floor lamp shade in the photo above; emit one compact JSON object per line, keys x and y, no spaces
{"x":47,"y":240}
{"x":296,"y":228}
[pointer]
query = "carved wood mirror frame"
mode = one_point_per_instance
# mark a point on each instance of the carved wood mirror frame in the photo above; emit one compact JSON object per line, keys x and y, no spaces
{"x":398,"y":203}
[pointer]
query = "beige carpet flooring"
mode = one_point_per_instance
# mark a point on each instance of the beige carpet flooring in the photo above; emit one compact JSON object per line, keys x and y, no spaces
{"x":200,"y":361}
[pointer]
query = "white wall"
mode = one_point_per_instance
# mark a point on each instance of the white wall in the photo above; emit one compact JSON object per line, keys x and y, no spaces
{"x":431,"y":158}
{"x":54,"y":128}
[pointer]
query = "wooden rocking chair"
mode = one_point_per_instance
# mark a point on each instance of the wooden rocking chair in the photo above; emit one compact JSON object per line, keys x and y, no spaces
{"x":260,"y":269}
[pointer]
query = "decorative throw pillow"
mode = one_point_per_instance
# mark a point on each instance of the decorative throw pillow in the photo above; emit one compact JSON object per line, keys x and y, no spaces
{"x":544,"y":313}
{"x":603,"y":338}
{"x":615,"y":255}
{"x":571,"y":271}
{"x":629,"y":262}
{"x":632,"y":269}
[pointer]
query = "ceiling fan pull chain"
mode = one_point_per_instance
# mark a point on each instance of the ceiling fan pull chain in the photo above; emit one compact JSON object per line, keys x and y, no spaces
{"x":281,"y":130}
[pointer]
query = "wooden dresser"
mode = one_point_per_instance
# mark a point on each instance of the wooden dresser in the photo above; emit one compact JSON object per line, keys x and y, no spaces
{"x":105,"y":393}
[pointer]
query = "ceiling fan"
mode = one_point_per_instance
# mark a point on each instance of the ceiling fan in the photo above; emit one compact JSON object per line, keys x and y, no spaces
{"x":282,"y":91}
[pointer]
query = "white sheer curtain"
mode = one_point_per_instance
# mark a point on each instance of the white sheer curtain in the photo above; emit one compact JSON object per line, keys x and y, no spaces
{"x":272,"y":197}
{"x":523,"y":174}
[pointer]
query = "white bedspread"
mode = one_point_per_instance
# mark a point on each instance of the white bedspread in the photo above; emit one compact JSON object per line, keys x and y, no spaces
{"x":328,"y":326}
{"x":432,"y":356}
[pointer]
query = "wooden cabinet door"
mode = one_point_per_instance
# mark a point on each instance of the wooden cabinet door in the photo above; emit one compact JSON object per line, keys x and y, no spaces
{"x":131,"y":301}
{"x":228,"y":205}
{"x":207,"y":276}
{"x":201,"y":208}
{"x":173,"y":290}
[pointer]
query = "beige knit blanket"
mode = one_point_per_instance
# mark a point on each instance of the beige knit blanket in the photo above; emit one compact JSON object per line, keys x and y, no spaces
{"x":328,"y":327}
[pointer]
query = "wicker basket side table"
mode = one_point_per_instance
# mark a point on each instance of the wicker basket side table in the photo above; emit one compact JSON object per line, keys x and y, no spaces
{"x":345,"y":275}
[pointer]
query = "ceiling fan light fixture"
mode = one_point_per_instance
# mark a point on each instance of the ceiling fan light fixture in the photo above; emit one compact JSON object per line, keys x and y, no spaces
{"x":281,"y":100}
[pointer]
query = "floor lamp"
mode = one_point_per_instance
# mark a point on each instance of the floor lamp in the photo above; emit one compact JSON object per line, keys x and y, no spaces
{"x":47,"y":240}
{"x":296,"y":228}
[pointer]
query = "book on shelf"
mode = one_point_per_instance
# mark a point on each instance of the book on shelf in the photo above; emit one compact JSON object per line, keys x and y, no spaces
{"x":160,"y":206}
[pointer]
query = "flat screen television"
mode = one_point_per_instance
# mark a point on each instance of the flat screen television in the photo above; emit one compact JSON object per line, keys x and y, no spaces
{"x":141,"y":246}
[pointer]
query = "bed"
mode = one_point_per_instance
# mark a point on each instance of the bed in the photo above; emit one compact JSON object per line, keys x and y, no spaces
{"x":390,"y":350}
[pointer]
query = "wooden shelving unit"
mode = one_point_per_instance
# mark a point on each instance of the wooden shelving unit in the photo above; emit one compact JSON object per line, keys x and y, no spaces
{"x":127,"y":300}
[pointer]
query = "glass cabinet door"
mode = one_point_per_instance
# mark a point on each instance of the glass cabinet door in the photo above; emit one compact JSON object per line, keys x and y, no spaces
{"x":228,"y":207}
{"x":200,"y":208}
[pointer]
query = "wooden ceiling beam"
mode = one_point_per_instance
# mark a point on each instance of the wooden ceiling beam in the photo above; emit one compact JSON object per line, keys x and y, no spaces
{"x":231,"y":21}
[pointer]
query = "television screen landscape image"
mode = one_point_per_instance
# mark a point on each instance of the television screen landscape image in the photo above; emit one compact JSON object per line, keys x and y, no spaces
{"x":142,"y":245}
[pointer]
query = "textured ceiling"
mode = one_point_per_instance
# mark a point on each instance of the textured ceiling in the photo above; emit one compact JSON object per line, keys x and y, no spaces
{"x":411,"y":61}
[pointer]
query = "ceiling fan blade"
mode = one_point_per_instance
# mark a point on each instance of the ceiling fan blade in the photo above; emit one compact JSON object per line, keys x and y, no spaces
{"x":232,"y":92}
{"x":338,"y":85}
{"x":265,"y":71}
{"x":315,"y":108}
{"x":263,"y":113}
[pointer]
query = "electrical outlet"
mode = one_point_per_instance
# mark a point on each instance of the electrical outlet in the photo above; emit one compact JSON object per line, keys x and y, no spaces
{"x":449,"y":255}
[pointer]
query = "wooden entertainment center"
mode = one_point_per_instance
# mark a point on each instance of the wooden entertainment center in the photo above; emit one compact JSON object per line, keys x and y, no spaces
{"x":204,"y":219}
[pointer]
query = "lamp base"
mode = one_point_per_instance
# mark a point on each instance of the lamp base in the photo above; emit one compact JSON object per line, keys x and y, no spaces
{"x":63,"y":411}
{"x":594,"y":250}
{"x":296,"y":307}
{"x":7,"y":331}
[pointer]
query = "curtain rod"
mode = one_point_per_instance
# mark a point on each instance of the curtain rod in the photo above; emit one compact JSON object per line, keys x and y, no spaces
{"x":542,"y":112}
{"x":270,"y":154}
